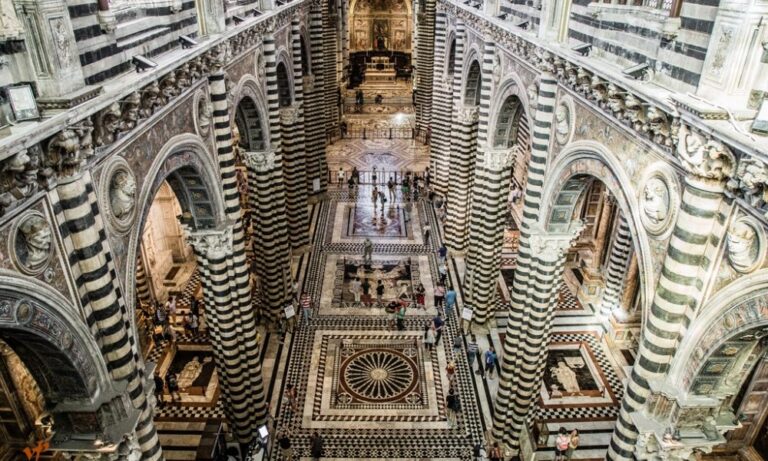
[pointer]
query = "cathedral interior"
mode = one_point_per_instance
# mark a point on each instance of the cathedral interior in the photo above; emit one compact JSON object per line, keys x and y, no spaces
{"x":383,"y":229}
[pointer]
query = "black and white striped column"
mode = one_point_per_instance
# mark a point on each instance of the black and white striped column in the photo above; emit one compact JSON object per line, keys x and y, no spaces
{"x":463,"y":155}
{"x":143,"y":292}
{"x":524,"y":270}
{"x":267,"y":190}
{"x":213,"y":248}
{"x":75,"y":205}
{"x":424,"y":67}
{"x":330,"y":64}
{"x":238,"y":266}
{"x":442,"y":104}
{"x":314,"y":109}
{"x":489,"y":205}
{"x":679,"y":289}
{"x":294,"y":152}
{"x":618,"y":261}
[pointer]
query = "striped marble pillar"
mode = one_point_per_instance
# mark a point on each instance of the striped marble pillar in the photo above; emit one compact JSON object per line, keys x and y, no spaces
{"x":489,"y":205}
{"x":690,"y":256}
{"x":424,"y":67}
{"x":546,"y":251}
{"x":524,"y":271}
{"x":463,"y":156}
{"x":442,"y":103}
{"x":143,"y":291}
{"x":75,"y":205}
{"x":330,"y":56}
{"x":294,"y":152}
{"x":314,"y":109}
{"x":240,"y":289}
{"x":213,"y":248}
{"x":618,"y":261}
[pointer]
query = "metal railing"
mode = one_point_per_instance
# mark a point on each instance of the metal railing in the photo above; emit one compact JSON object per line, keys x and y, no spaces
{"x":382,"y":176}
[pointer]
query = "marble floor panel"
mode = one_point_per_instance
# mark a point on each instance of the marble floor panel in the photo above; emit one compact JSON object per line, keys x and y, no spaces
{"x":353,"y":223}
{"x":387,"y":155}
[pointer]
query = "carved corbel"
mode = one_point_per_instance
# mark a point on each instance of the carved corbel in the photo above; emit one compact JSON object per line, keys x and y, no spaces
{"x":63,"y":154}
{"x":571,"y":75}
{"x":615,"y":100}
{"x":705,"y":158}
{"x":598,"y":91}
{"x":84,"y":132}
{"x":130,"y":112}
{"x":583,"y":81}
{"x":183,"y":78}
{"x":18,"y":179}
{"x":634,"y":113}
{"x":658,"y":126}
{"x":168,"y":89}
{"x":149,"y":99}
{"x":750,"y":182}
{"x":107,"y":124}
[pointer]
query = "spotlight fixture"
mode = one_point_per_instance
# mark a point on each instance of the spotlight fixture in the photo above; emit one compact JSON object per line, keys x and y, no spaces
{"x":143,"y":63}
{"x":279,"y":3}
{"x":502,"y":16}
{"x":238,"y":20}
{"x":186,"y":41}
{"x":523,"y":24}
{"x":583,"y":49}
{"x":256,"y":13}
{"x":637,"y":72}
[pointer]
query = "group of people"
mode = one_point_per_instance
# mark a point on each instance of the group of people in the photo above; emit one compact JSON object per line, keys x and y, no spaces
{"x":316,"y":443}
{"x":171,"y":383}
{"x":565,"y":444}
{"x":164,"y":319}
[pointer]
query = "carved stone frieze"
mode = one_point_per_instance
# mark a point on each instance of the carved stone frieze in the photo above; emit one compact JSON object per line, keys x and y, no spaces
{"x":549,"y":246}
{"x":18,"y":178}
{"x":467,"y":114}
{"x":260,"y":161}
{"x":290,"y":115}
{"x":499,"y":159}
{"x":750,"y":182}
{"x":703,"y":157}
{"x":63,"y":155}
{"x":210,"y":243}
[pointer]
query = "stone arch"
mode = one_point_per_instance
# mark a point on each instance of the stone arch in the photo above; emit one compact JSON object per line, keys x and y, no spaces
{"x":564,"y":186}
{"x":248,"y":114}
{"x":473,"y":80}
{"x":738,"y":309}
{"x":193,"y":174}
{"x":510,"y":89}
{"x":284,"y":70}
{"x":450,"y":54}
{"x":306,"y":52}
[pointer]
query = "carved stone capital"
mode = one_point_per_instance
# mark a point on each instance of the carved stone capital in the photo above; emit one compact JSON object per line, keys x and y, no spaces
{"x":468,"y":114}
{"x":260,"y":161}
{"x":290,"y":115}
{"x":308,"y":82}
{"x":495,"y":159}
{"x":750,"y":182}
{"x":213,"y":242}
{"x":702,"y":157}
{"x":550,"y":246}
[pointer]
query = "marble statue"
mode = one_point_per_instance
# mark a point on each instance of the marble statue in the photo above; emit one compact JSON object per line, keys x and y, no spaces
{"x":655,"y":201}
{"x":743,"y":246}
{"x":36,"y":234}
{"x":122,"y":194}
{"x":204,"y":115}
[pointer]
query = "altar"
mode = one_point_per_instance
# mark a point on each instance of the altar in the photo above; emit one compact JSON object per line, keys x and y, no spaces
{"x":380,"y":69}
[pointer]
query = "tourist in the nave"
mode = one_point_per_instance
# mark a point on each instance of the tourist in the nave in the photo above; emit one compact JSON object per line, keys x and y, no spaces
{"x":391,"y":188}
{"x":472,"y":352}
{"x":562,"y":442}
{"x":316,"y":443}
{"x":306,"y":307}
{"x":284,"y":440}
{"x":573,"y":443}
{"x":439,"y":324}
{"x":159,"y":388}
{"x":452,"y":406}
{"x":490,"y":361}
{"x":450,"y":301}
{"x":420,"y":295}
{"x":439,"y":295}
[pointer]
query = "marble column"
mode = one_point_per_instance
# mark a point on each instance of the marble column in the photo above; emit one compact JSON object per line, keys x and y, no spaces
{"x":93,"y":268}
{"x":618,"y":261}
{"x":594,"y":281}
{"x":237,"y":262}
{"x":679,"y":290}
{"x":314,"y":109}
{"x":489,"y":206}
{"x":294,"y":152}
{"x":143,"y":291}
{"x":463,"y":156}
{"x":330,"y":64}
{"x":525,"y":270}
{"x":426,"y":46}
{"x":442,"y":103}
{"x":213,"y":248}
{"x":631,"y":281}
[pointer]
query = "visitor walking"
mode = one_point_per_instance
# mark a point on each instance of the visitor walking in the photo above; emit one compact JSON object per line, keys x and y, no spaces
{"x":306,"y":307}
{"x":472,"y":352}
{"x":562,"y":442}
{"x":173,"y":387}
{"x":383,"y":200}
{"x":573,"y":444}
{"x":494,"y":454}
{"x":374,"y":177}
{"x":375,"y":196}
{"x":439,"y":295}
{"x":341,"y":176}
{"x":355,"y":289}
{"x":453,"y":407}
{"x":450,"y":301}
{"x":457,"y":341}
{"x":367,"y":252}
{"x":159,"y":389}
{"x":366,"y":286}
{"x":391,"y":310}
{"x":293,"y":397}
{"x":427,"y":232}
{"x":401,"y":318}
{"x":379,"y":293}
{"x":442,"y":253}
{"x":439,"y":324}
{"x":171,"y":306}
{"x":490,"y":361}
{"x":420,"y":295}
{"x":284,"y":440}
{"x":355,"y":176}
{"x":391,"y":188}
{"x":316,"y":446}
{"x":429,"y":337}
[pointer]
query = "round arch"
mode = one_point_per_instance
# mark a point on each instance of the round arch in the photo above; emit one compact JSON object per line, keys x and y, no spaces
{"x":564,"y":185}
{"x":473,"y":80}
{"x":284,"y":70}
{"x":193,"y":174}
{"x":450,"y":54}
{"x":249,"y":89}
{"x":738,"y":308}
{"x":512,"y":87}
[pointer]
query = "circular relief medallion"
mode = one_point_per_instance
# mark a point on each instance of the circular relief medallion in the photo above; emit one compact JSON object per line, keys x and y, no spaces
{"x":118,"y":194}
{"x":379,"y":376}
{"x":659,"y":201}
{"x":745,"y":245}
{"x":30,"y":243}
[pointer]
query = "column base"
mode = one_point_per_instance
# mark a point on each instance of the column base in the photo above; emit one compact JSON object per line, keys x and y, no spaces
{"x":591,"y":288}
{"x":317,"y":197}
{"x":301,"y":250}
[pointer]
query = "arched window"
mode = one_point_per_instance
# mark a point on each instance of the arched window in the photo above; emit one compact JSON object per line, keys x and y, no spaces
{"x":283,"y":86}
{"x":249,"y":125}
{"x":452,"y":57}
{"x":472,"y":93}
{"x":508,"y":122}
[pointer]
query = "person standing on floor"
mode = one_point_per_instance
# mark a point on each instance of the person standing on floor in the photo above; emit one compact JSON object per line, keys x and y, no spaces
{"x":391,"y":188}
{"x":159,"y":388}
{"x":429,"y":337}
{"x":375,"y":196}
{"x":442,"y":253}
{"x":472,"y":352}
{"x":426,"y":232}
{"x":173,"y":387}
{"x":356,"y":289}
{"x":316,"y":446}
{"x":367,"y":252}
{"x":450,"y":301}
{"x":383,"y":200}
{"x":439,"y":296}
{"x":306,"y":307}
{"x":366,"y":286}
{"x":439,"y":324}
{"x":490,"y":361}
{"x":293,"y":397}
{"x":172,"y":310}
{"x":573,"y":444}
{"x":379,"y":294}
{"x":452,"y":405}
{"x":401,"y":318}
{"x":420,"y":295}
{"x":284,"y":440}
{"x":495,"y":454}
{"x":340,"y":176}
{"x":373,"y":176}
{"x":562,"y":441}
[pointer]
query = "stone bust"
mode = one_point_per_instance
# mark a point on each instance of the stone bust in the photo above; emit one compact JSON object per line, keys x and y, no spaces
{"x":742,"y":246}
{"x":122,"y":194}
{"x":36,"y":239}
{"x":562,"y":123}
{"x":655,"y":201}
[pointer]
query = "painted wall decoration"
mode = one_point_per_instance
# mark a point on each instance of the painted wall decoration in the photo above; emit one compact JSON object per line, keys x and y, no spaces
{"x":381,"y":25}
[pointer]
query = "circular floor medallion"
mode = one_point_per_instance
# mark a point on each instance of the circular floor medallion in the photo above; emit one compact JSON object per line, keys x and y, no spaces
{"x":379,"y":375}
